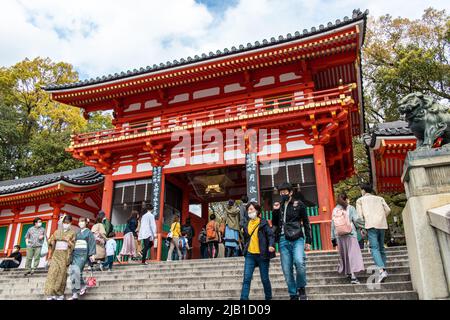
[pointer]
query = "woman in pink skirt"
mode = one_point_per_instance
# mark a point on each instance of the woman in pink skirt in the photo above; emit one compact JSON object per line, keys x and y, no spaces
{"x":344,"y":221}
{"x":129,"y":243}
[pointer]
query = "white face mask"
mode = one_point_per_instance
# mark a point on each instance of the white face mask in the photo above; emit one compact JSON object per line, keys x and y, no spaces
{"x":66,"y":226}
{"x":82,"y":225}
{"x":252,"y":215}
{"x":39,"y":224}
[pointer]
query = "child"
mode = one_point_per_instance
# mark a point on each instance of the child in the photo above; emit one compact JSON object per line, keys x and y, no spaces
{"x":111,"y":247}
{"x":183,"y":245}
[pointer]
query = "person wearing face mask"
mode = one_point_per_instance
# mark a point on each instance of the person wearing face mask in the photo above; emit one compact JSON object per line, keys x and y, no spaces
{"x":231,"y":239}
{"x":84,"y":250}
{"x":60,"y":247}
{"x":13,"y":260}
{"x":258,"y":250}
{"x":34,"y":239}
{"x":288,"y":217}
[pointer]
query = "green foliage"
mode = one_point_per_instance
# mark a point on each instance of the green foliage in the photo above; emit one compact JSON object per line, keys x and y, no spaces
{"x":401,"y":56}
{"x":34,"y":130}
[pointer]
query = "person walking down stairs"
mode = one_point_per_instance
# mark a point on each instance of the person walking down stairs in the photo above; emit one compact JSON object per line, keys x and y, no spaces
{"x":60,"y":247}
{"x":344,"y":236}
{"x":84,"y":250}
{"x":258,"y":250}
{"x":175,"y":229}
{"x":374,"y":210}
{"x":34,"y":239}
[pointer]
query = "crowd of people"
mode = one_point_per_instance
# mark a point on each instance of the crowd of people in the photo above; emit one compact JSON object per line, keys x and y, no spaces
{"x":241,"y":231}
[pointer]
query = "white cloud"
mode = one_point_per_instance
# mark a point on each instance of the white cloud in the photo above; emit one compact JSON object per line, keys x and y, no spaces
{"x":100,"y":37}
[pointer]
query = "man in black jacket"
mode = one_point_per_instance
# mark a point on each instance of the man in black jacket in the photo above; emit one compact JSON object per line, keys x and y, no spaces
{"x":287,"y":219}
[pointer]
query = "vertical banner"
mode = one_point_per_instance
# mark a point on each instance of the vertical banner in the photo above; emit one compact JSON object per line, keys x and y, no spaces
{"x":251,"y":167}
{"x":156,"y":196}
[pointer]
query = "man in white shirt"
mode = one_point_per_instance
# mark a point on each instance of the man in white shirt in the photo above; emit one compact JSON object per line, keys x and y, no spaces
{"x":374,"y":210}
{"x":147,"y":231}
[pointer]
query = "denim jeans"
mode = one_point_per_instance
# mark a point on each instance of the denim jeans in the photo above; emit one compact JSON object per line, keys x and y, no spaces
{"x":251,"y":261}
{"x":293,"y":253}
{"x":376,"y":242}
{"x":109,"y":262}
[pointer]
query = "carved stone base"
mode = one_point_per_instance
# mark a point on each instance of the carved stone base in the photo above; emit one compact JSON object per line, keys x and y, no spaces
{"x":427,"y":183}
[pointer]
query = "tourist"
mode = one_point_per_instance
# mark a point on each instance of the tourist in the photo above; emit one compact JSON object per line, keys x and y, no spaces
{"x":287,"y":218}
{"x":138,"y":243}
{"x":190,"y":232}
{"x":98,"y":229}
{"x":105,"y":221}
{"x":344,"y":221}
{"x":129,"y":243}
{"x":147,"y":231}
{"x":34,"y":238}
{"x":13,"y":260}
{"x":203,"y":244}
{"x":259,"y":248}
{"x":184,"y":245}
{"x":111,"y":247}
{"x":84,"y":249}
{"x":175,"y":228}
{"x":60,"y":247}
{"x":232,"y":226}
{"x":212,"y":237}
{"x":374,"y":210}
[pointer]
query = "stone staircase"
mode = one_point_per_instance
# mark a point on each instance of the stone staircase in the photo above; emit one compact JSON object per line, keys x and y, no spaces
{"x":222,"y":279}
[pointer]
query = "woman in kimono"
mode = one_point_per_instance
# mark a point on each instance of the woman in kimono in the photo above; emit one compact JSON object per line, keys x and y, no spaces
{"x":60,"y":247}
{"x":98,"y":229}
{"x":84,"y":250}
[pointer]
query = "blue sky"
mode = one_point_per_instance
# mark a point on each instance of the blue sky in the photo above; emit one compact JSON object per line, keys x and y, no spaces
{"x":107,"y":36}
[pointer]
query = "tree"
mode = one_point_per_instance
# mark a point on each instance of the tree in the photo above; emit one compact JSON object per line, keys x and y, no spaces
{"x":401,"y":56}
{"x":36,"y":130}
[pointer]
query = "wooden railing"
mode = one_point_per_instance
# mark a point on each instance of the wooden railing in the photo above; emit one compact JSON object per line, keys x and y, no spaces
{"x":232,"y":112}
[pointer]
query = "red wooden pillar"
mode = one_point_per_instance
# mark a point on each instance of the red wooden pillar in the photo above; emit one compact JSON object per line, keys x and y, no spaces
{"x":160,"y":221}
{"x":108,"y":188}
{"x":185,"y":205}
{"x":205,"y":212}
{"x":323,"y":191}
{"x":55,"y":216}
{"x":15,"y":222}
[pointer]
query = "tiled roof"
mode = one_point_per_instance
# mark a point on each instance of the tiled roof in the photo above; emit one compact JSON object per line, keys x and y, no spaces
{"x":387,"y":129}
{"x":82,"y":176}
{"x":356,"y":16}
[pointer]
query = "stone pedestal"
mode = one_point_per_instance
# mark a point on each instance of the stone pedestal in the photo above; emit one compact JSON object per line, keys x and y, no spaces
{"x":426,"y":178}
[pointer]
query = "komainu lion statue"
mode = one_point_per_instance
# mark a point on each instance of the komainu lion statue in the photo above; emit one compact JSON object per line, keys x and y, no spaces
{"x":427,"y":119}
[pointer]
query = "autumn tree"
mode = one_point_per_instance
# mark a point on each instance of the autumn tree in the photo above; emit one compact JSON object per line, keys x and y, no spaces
{"x":34,"y":129}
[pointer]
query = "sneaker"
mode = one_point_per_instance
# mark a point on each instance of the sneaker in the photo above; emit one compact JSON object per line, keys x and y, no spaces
{"x":302,"y":293}
{"x":83,"y":290}
{"x":109,"y":269}
{"x":145,"y":263}
{"x":60,"y":297}
{"x":74,"y":296}
{"x":294,"y":297}
{"x":355,"y":281}
{"x":51,"y":298}
{"x":382,"y":277}
{"x":101,"y":267}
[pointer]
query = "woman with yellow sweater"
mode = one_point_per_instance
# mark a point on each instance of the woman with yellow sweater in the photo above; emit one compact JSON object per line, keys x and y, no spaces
{"x":175,"y":228}
{"x":259,"y":249}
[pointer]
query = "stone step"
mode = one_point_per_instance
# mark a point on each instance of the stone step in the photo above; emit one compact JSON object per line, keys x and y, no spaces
{"x":311,"y":257}
{"x":191,"y":284}
{"x":146,"y":293}
{"x":391,"y":295}
{"x":215,"y":270}
{"x":218,"y":274}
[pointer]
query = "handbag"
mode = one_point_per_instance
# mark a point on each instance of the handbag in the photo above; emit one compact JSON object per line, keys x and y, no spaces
{"x":91,"y":280}
{"x":292,"y":230}
{"x":247,"y":243}
{"x":44,"y":249}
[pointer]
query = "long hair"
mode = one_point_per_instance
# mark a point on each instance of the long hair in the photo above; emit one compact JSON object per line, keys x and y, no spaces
{"x":342,"y":200}
{"x":134,"y":214}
